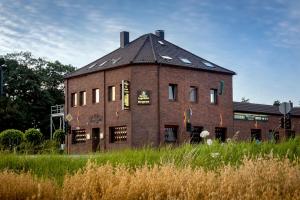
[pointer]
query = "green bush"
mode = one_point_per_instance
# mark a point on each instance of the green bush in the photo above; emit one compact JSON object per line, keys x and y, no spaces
{"x":59,"y":136}
{"x":33,"y":136}
{"x":50,"y":147}
{"x":11,"y":138}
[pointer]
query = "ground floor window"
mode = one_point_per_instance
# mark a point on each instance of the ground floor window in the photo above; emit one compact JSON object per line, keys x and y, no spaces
{"x":221,"y":134}
{"x":255,"y":135}
{"x":79,"y":136}
{"x":274,"y":135}
{"x":290,"y":134}
{"x":118,"y":134}
{"x":171,"y":133}
{"x":195,"y":134}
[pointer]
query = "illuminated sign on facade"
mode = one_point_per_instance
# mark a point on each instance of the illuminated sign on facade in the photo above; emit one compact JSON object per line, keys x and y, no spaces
{"x":143,"y":97}
{"x":125,"y":95}
{"x":250,"y":117}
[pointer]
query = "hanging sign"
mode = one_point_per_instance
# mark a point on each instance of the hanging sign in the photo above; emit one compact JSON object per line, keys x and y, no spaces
{"x":143,"y":97}
{"x":125,"y":95}
{"x":69,"y":117}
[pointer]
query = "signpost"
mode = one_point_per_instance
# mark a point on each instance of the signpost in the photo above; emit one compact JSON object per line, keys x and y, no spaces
{"x":284,"y":109}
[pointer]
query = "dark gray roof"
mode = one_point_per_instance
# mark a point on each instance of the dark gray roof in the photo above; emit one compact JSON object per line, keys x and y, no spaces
{"x":261,"y":108}
{"x":148,"y":50}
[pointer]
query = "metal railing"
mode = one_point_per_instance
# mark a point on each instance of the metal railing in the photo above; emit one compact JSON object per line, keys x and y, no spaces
{"x":57,"y":109}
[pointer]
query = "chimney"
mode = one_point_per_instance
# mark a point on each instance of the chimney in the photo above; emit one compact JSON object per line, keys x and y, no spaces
{"x":160,"y":34}
{"x":124,"y":38}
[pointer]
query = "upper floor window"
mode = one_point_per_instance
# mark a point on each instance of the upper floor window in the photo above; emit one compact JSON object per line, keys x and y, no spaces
{"x":111,"y":93}
{"x":73,"y":99}
{"x":213,"y":96}
{"x":82,"y":98}
{"x":193,"y":93}
{"x":172,"y":92}
{"x":96,"y":95}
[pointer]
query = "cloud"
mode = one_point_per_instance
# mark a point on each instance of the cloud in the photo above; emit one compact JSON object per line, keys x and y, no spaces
{"x":29,"y":28}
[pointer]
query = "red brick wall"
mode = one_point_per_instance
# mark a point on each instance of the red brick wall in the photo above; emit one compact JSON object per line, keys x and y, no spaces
{"x":81,"y":114}
{"x":113,"y":115}
{"x":144,"y":117}
{"x":145,"y":125}
{"x":203,"y":112}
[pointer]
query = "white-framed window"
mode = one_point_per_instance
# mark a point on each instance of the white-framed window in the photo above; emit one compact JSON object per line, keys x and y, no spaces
{"x":96,"y":95}
{"x":193,"y":94}
{"x":172,"y":92}
{"x":73,"y":99}
{"x":111,"y":93}
{"x":213,"y":96}
{"x":82,"y":98}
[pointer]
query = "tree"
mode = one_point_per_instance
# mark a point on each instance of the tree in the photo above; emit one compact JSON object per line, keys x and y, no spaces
{"x":276,"y":103}
{"x":244,"y":100}
{"x":32,"y":86}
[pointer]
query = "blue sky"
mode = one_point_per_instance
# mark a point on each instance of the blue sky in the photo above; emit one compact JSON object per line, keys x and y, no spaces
{"x":258,"y":39}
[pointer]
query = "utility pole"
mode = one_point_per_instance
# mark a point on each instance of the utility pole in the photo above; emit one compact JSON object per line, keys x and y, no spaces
{"x":2,"y":67}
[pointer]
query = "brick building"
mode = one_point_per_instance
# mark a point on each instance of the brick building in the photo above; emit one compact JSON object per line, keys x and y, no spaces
{"x":263,"y":122}
{"x":150,"y":92}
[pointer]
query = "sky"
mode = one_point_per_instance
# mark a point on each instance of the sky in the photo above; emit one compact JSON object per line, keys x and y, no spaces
{"x":258,"y":39}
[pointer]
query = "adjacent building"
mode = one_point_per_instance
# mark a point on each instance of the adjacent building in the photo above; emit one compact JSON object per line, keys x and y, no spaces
{"x":152,"y":92}
{"x":264,"y":122}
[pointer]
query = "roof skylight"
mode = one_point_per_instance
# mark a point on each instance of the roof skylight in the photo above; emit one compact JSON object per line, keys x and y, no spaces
{"x":185,"y":60}
{"x":167,"y":57}
{"x":93,"y":65}
{"x":103,"y":63}
{"x":114,"y":61}
{"x":208,"y":64}
{"x":161,"y":42}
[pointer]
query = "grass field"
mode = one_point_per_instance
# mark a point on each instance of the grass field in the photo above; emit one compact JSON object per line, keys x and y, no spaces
{"x":71,"y":177}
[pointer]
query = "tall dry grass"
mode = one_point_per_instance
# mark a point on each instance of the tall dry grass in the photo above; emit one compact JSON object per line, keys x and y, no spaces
{"x":254,"y":179}
{"x":25,"y":186}
{"x":268,"y":178}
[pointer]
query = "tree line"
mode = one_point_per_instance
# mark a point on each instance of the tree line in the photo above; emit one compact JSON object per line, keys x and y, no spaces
{"x":31,"y":86}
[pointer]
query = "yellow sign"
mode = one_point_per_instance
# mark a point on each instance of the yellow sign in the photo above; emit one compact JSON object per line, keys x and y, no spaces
{"x":143,"y":97}
{"x":69,"y":117}
{"x":125,"y":95}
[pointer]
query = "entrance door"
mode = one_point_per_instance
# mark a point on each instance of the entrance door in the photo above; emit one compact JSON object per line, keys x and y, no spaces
{"x":220,"y":134}
{"x":96,"y":139}
{"x":255,"y":135}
